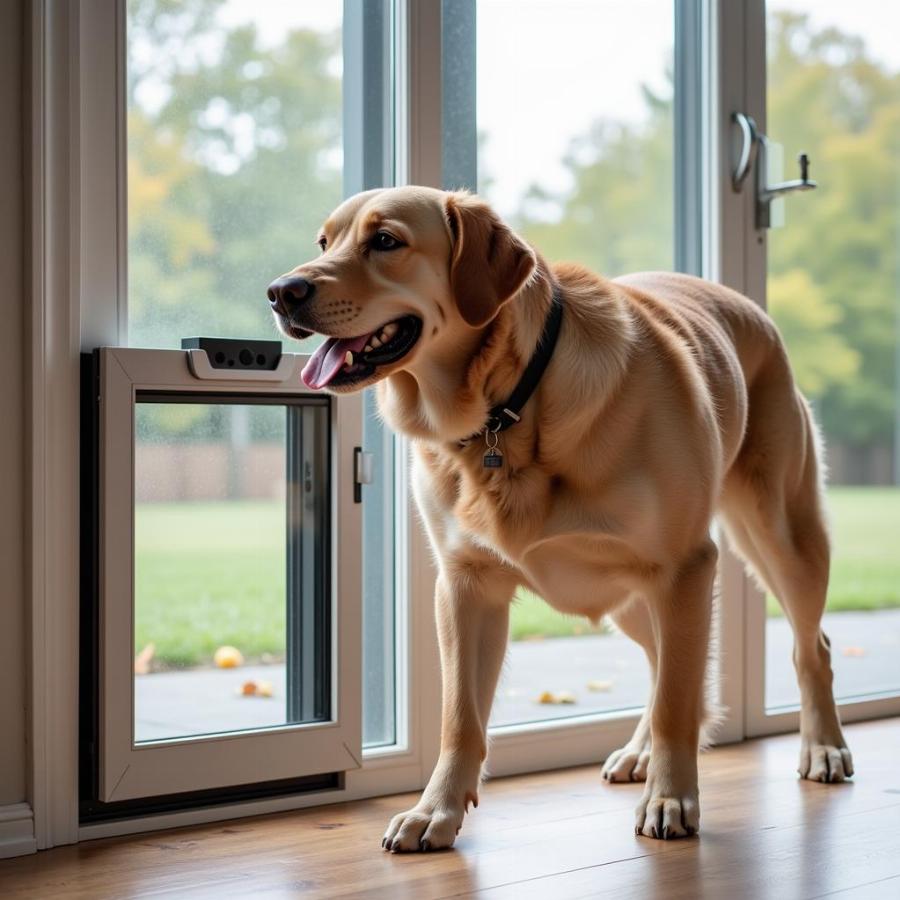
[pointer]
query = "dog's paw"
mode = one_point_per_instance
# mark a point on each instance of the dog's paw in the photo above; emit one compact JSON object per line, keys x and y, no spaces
{"x":627,"y":764}
{"x":666,"y":817}
{"x":422,"y":828}
{"x":824,"y":762}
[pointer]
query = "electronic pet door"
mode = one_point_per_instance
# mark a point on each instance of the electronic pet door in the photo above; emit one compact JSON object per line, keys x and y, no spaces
{"x":221,"y":609}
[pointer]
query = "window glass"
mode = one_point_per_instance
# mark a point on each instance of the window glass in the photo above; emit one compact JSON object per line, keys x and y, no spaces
{"x":234,"y":158}
{"x":834,"y":290}
{"x":576,"y":151}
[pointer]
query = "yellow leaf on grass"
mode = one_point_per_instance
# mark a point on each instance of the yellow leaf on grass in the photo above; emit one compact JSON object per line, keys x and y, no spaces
{"x":228,"y":657}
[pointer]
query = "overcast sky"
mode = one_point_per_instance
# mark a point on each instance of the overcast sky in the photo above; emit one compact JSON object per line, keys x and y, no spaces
{"x":548,"y":68}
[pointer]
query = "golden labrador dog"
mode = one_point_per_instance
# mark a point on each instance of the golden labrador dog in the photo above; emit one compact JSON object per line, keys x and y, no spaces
{"x":667,"y":400}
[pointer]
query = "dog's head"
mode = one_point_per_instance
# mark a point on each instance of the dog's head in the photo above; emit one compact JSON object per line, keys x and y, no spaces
{"x":403,"y":273}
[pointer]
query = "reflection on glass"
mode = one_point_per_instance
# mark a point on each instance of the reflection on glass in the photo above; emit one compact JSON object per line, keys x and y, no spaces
{"x":220,"y":619}
{"x":834,"y":290}
{"x":576,"y":150}
{"x":234,"y":158}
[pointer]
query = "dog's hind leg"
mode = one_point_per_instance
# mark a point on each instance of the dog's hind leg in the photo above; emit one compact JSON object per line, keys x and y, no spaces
{"x":772,"y":507}
{"x":629,"y":763}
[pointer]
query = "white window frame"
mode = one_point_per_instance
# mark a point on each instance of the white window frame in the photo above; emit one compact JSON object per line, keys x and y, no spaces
{"x":77,"y":287}
{"x":742,"y":257}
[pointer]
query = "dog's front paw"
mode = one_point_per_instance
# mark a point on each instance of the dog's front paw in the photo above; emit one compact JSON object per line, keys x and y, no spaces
{"x":667,"y":817}
{"x":670,"y":807}
{"x":824,"y":761}
{"x":627,"y":764}
{"x":423,"y":828}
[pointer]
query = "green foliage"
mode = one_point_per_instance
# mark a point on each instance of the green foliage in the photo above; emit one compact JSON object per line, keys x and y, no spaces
{"x":834,"y":281}
{"x":827,"y":96}
{"x":619,"y":214}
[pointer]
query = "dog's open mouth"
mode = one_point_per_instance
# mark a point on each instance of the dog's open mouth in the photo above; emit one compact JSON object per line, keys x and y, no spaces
{"x":344,"y":361}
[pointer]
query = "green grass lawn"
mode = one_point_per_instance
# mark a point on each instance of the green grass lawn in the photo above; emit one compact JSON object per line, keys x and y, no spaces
{"x":209,"y":574}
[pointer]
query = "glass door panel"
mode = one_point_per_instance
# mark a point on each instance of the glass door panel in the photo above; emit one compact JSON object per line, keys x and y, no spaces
{"x":834,"y":290}
{"x":577,"y":152}
{"x":229,"y":566}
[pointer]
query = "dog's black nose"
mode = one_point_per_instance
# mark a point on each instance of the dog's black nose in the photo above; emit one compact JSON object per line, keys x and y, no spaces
{"x":287,"y":293}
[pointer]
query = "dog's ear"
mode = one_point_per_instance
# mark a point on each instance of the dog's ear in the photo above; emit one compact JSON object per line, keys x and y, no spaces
{"x":488,"y":263}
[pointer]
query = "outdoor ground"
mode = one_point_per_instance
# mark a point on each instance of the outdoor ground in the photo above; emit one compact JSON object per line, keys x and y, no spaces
{"x":209,"y":574}
{"x":602,"y":673}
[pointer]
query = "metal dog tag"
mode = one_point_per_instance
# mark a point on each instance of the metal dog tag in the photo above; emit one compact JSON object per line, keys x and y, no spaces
{"x":493,"y":459}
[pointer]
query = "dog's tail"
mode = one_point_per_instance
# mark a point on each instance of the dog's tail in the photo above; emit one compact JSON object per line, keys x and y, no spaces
{"x":714,"y":713}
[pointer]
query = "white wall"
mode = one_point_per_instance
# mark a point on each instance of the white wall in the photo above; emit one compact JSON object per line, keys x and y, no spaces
{"x":13,"y":305}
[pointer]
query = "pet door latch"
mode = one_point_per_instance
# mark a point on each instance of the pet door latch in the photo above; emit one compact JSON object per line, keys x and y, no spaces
{"x":363,"y":471}
{"x":755,"y":149}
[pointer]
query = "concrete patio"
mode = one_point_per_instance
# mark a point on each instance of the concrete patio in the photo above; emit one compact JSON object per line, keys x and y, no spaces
{"x":866,"y":658}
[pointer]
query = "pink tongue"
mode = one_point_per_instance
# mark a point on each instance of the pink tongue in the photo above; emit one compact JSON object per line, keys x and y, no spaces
{"x":328,"y":360}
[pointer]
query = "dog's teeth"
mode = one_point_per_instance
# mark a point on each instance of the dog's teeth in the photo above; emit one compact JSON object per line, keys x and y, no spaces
{"x":348,"y":359}
{"x":376,"y":342}
{"x":367,"y":348}
{"x":390,"y":329}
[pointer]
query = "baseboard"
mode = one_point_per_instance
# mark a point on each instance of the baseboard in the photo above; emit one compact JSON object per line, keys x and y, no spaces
{"x":16,"y":830}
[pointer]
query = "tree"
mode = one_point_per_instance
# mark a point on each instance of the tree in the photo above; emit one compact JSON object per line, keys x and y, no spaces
{"x":834,"y":280}
{"x":234,"y":161}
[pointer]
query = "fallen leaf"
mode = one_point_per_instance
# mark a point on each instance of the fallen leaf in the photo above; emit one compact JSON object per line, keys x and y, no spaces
{"x":228,"y":657}
{"x":254,"y":688}
{"x":142,"y":660}
{"x":559,"y":698}
{"x":599,"y":686}
{"x":854,"y":651}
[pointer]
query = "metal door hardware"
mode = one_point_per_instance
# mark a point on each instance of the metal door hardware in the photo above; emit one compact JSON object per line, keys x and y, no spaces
{"x":364,"y":471}
{"x":753,"y":154}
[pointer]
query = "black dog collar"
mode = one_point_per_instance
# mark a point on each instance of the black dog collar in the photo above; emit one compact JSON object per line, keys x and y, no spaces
{"x":505,"y":415}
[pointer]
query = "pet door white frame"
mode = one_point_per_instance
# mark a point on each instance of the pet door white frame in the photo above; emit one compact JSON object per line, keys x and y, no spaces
{"x":130,"y":770}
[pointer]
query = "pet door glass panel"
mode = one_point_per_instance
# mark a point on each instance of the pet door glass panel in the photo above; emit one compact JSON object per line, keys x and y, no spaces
{"x":576,"y":151}
{"x":834,"y":290}
{"x":230,"y":541}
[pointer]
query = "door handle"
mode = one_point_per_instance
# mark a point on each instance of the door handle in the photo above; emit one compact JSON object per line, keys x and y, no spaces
{"x":754,"y":151}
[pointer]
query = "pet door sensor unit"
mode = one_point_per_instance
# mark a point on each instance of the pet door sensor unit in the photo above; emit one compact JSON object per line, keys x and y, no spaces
{"x":228,"y":359}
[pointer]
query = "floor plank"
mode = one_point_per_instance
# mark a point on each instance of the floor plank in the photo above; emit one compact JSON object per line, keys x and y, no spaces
{"x":560,"y":835}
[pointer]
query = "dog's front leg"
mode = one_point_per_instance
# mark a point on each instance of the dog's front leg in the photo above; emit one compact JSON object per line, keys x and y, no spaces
{"x":682,"y":613}
{"x":472,"y":607}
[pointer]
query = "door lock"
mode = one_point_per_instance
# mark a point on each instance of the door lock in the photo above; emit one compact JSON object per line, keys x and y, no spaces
{"x":754,"y":153}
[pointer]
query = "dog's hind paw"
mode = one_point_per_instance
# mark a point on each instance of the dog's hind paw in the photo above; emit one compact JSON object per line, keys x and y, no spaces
{"x":627,"y":764}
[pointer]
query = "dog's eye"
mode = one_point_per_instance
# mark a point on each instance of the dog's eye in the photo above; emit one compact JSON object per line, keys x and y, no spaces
{"x":385,"y":241}
{"x":323,"y":243}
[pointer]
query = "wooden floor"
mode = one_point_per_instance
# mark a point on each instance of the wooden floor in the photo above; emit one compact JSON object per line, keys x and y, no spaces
{"x":554,"y":835}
